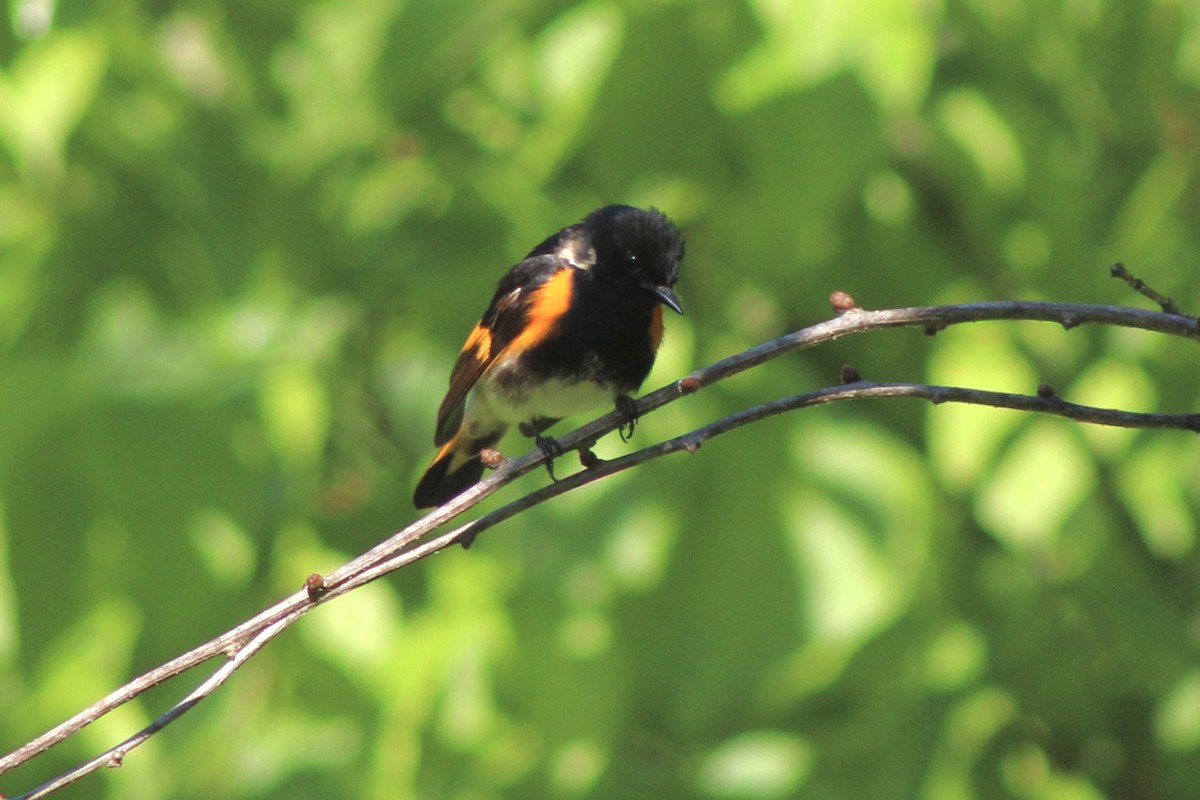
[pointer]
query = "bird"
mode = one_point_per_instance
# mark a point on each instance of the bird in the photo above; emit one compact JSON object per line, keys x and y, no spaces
{"x":573,"y":326}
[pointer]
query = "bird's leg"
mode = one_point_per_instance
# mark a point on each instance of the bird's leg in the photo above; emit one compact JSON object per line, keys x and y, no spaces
{"x":551,"y":449}
{"x":628,"y":410}
{"x":549,"y":446}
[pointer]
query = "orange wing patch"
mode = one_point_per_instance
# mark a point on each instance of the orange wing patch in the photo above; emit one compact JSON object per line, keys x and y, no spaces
{"x":474,"y":358}
{"x":545,"y":307}
{"x":480,"y":341}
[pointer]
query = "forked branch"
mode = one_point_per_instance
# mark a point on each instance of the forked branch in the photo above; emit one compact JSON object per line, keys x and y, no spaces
{"x":404,"y":547}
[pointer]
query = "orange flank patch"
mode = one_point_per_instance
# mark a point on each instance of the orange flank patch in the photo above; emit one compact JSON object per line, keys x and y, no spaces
{"x":546,"y":308}
{"x":656,"y":328}
{"x":480,"y":343}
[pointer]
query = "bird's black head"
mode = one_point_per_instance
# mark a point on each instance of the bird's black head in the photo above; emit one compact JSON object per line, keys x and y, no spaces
{"x":638,"y":249}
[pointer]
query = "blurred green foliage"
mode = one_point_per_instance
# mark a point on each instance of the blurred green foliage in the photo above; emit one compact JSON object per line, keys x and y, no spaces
{"x":240,"y":244}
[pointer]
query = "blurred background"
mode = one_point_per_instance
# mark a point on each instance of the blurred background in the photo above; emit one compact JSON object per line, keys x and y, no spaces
{"x":241,"y":243}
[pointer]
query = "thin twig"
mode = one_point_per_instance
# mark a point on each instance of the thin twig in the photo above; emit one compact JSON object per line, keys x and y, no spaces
{"x":1118,"y":270}
{"x":243,"y":641}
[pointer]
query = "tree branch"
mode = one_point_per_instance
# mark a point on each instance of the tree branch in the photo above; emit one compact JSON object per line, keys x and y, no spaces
{"x":239,"y":644}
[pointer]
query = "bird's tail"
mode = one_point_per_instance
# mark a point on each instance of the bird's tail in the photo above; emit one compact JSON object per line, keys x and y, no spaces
{"x":456,"y":468}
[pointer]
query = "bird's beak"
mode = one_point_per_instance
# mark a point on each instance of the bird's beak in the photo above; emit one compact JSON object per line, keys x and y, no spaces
{"x":668,"y":298}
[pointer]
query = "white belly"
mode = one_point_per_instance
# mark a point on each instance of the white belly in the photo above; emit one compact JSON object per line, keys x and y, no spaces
{"x":514,"y":403}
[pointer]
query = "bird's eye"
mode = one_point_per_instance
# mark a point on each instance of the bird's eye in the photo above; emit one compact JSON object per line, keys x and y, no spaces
{"x":631,"y":260}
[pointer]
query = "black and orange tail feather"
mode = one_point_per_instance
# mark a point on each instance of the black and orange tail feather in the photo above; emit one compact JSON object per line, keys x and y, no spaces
{"x":457,"y":468}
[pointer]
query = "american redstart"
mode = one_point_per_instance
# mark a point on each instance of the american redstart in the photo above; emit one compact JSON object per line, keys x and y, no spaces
{"x":573,"y":326}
